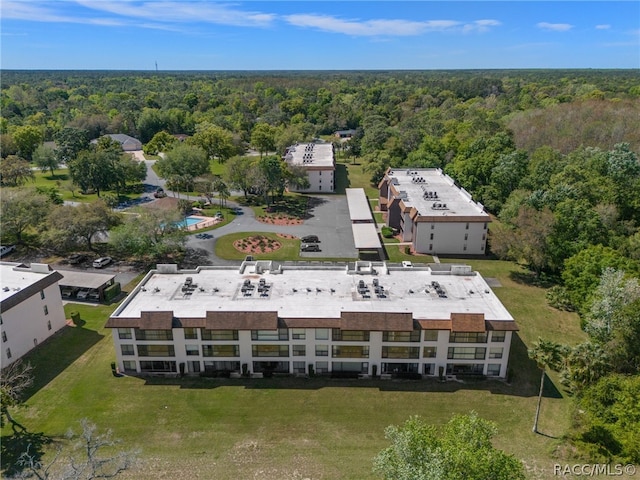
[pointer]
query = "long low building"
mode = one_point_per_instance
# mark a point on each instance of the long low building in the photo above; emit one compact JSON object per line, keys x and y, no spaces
{"x":31,"y":308}
{"x":432,"y":212}
{"x":353,"y":319}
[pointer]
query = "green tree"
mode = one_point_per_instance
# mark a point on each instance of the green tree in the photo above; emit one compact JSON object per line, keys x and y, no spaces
{"x":20,"y":211}
{"x":546,"y":354}
{"x":297,"y":177}
{"x":216,"y":141}
{"x":240,"y":173}
{"x":14,"y":380}
{"x":71,"y":226}
{"x":183,"y":160}
{"x":161,"y":142}
{"x":583,"y":365}
{"x":263,"y":138}
{"x":45,"y":158}
{"x":272,"y":176}
{"x":150,"y":234}
{"x":70,"y":142}
{"x":27,"y":138}
{"x":461,"y":449}
{"x":14,"y":171}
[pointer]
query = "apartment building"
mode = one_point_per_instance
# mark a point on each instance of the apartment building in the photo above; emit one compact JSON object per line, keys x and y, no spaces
{"x":433,"y":213}
{"x":30,"y":308}
{"x":318,"y":161}
{"x":350,"y":319}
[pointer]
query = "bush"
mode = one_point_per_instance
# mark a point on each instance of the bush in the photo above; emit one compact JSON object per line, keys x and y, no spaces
{"x":387,"y":232}
{"x":111,"y":292}
{"x":558,"y":297}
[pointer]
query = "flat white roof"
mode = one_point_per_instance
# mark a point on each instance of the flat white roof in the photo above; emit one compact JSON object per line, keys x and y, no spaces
{"x":359,"y":209}
{"x":365,"y":236}
{"x":432,"y":192}
{"x":310,"y":155}
{"x":16,"y":277}
{"x":74,"y":278}
{"x":315,"y":291}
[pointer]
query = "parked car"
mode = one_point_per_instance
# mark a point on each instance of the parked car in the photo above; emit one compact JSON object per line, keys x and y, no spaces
{"x":309,"y":247}
{"x":76,"y":258}
{"x":219,"y":214}
{"x":311,"y":239}
{"x":407,"y":264}
{"x":159,"y":193}
{"x":102,"y":262}
{"x":68,"y":292}
{"x":6,"y":249}
{"x":82,"y":294}
{"x":94,"y":295}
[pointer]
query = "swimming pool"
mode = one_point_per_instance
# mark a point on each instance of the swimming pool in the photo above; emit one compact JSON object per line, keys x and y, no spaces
{"x":188,"y":221}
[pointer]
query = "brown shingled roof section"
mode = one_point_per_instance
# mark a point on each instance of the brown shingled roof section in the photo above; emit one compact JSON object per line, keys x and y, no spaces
{"x":467,"y":322}
{"x":156,"y":320}
{"x":501,"y":325}
{"x":377,"y":321}
{"x":242,"y":320}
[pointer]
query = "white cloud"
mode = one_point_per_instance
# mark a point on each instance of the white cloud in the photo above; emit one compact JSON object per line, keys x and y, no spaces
{"x":149,"y":14}
{"x":554,"y":27}
{"x":603,"y":27}
{"x":382,"y":27}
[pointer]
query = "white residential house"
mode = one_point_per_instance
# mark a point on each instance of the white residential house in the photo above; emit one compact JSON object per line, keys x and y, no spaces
{"x":30,"y":307}
{"x":128,"y":143}
{"x":318,"y":161}
{"x":433,"y":213}
{"x":356,"y":319}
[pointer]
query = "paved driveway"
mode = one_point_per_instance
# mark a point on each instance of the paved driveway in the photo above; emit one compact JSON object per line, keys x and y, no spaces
{"x":329,"y":221}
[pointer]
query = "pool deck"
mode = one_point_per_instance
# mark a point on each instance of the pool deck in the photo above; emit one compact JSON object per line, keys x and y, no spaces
{"x":204,"y":222}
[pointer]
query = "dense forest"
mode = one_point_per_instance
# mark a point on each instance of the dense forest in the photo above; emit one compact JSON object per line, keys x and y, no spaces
{"x":552,"y":154}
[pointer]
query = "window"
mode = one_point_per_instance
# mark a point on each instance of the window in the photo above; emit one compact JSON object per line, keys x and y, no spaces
{"x":270,"y":350}
{"x":299,"y":367}
{"x":192,"y":350}
{"x":484,"y":237}
{"x":399,"y":368}
{"x":432,"y":226}
{"x":431,"y":335}
{"x":127,"y":350}
{"x":224,"y":366}
{"x":485,"y":225}
{"x":467,"y":226}
{"x":270,"y":335}
{"x":493,"y":370}
{"x":298,"y":333}
{"x":46,"y":310}
{"x":464,"y":247}
{"x":8,"y":353}
{"x":48,"y":324}
{"x":431,"y":236}
{"x":468,"y":337}
{"x":429,"y":368}
{"x":431,"y":246}
{"x":466,"y":236}
{"x":322,"y":367}
{"x":156,"y":351}
{"x":498,"y":336}
{"x":220,"y":351}
{"x":153,"y":334}
{"x":400,"y":352}
{"x":349,"y":351}
{"x":191,"y":333}
{"x":322,"y":350}
{"x":4,"y":336}
{"x":193,"y":366}
{"x":124,"y":333}
{"x":464,"y":368}
{"x":298,"y":350}
{"x":413,"y":336}
{"x":129,"y":365}
{"x":350,"y":335}
{"x":466,"y":353}
{"x":319,"y":187}
{"x":495,"y":352}
{"x":429,"y":352}
{"x":218,"y":334}
{"x":157,"y":366}
{"x":322,"y":334}
{"x":42,"y":294}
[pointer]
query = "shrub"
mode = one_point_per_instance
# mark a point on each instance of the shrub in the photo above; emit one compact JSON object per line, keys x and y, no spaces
{"x":387,"y":232}
{"x":111,"y":292}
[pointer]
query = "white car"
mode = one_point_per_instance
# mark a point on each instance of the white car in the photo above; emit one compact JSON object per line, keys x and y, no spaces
{"x":101,"y":262}
{"x":6,"y":249}
{"x":82,"y":294}
{"x":407,"y":264}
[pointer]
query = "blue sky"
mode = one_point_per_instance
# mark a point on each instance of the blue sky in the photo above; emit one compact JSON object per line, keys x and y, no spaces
{"x":318,"y":35}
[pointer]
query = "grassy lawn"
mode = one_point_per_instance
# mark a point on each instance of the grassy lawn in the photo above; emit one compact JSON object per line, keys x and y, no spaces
{"x":287,"y":428}
{"x":350,"y":175}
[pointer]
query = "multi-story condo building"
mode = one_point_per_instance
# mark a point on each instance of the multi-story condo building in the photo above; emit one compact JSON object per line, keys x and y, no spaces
{"x":30,"y":308}
{"x":432,"y":212}
{"x":318,"y":161}
{"x":347,"y":319}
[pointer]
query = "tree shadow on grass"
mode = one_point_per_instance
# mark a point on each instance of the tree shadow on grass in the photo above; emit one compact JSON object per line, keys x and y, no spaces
{"x":530,"y":278}
{"x":15,"y":445}
{"x":342,"y":179}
